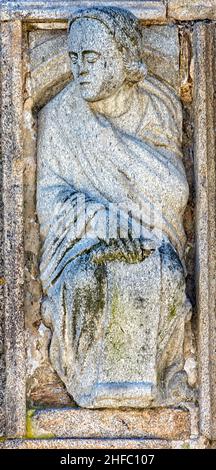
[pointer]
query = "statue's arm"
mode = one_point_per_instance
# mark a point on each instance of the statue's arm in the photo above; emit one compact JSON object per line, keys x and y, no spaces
{"x":67,"y":216}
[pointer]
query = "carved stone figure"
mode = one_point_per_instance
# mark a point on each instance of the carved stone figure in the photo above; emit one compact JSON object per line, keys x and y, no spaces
{"x":111,"y":195}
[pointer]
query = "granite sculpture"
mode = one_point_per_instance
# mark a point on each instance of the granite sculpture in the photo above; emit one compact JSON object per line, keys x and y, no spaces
{"x":111,"y":193}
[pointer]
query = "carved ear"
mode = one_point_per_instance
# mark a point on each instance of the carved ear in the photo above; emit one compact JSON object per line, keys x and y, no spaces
{"x":136,"y":71}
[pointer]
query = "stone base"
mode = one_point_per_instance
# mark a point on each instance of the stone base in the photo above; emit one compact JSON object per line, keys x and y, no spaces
{"x":158,"y":423}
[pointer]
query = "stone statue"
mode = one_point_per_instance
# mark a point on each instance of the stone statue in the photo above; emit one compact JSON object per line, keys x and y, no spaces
{"x":111,"y":195}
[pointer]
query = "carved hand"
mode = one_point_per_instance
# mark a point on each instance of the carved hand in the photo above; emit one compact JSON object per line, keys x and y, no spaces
{"x":130,"y":251}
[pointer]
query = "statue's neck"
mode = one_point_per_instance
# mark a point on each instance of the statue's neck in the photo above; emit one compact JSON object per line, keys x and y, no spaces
{"x":117,"y":104}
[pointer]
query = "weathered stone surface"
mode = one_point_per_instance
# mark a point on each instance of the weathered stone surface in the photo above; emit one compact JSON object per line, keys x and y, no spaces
{"x":43,"y":386}
{"x":11,"y":147}
{"x":2,"y":282}
{"x":49,"y":63}
{"x":101,"y":296}
{"x":78,"y":423}
{"x":186,"y":74}
{"x":192,"y":9}
{"x":205,"y":178}
{"x":186,"y":64}
{"x":161,"y":60}
{"x":200,"y":443}
{"x":150,"y":10}
{"x":212,"y":445}
{"x":50,"y":68}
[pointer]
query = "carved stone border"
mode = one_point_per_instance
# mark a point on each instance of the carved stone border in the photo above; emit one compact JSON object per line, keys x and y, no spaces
{"x":205,"y":178}
{"x":186,"y":10}
{"x":148,"y":10}
{"x":11,"y":147}
{"x":12,"y":161}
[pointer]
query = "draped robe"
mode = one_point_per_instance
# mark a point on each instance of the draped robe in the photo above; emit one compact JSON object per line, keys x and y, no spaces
{"x":116,"y":325}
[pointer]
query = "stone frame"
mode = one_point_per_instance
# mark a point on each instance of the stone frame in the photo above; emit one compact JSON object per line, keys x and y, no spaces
{"x":13,"y":22}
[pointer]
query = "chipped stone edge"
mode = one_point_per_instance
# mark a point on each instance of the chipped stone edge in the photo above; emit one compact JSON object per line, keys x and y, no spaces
{"x":200,"y":443}
{"x":29,"y":10}
{"x":190,"y":12}
{"x":12,"y":161}
{"x":150,"y":10}
{"x":78,"y":424}
{"x":204,"y":44}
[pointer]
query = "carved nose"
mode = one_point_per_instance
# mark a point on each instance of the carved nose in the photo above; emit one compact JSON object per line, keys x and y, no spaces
{"x":81,"y":68}
{"x":83,"y":72}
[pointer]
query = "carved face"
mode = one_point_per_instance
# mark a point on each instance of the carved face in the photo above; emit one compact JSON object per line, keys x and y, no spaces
{"x":96,"y":62}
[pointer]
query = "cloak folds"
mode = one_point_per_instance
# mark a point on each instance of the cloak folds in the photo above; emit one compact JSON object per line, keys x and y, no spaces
{"x":113,"y":322}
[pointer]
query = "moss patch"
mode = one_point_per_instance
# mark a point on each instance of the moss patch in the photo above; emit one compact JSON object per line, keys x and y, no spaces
{"x":116,"y":339}
{"x":29,"y":430}
{"x":186,"y":445}
{"x":172,"y":312}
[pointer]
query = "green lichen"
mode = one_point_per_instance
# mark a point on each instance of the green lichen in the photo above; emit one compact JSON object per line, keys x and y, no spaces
{"x":91,"y":299}
{"x":29,"y":429}
{"x":172,"y":312}
{"x":186,"y":445}
{"x":117,"y":344}
{"x":45,"y":436}
{"x":2,"y":281}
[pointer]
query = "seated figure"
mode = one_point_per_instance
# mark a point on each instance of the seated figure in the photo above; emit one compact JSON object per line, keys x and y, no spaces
{"x":111,"y":195}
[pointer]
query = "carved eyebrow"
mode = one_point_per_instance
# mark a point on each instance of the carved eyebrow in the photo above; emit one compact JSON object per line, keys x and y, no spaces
{"x":91,"y":52}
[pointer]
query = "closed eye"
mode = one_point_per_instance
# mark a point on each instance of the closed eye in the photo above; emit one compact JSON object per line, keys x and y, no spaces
{"x":91,"y":57}
{"x":73,"y":57}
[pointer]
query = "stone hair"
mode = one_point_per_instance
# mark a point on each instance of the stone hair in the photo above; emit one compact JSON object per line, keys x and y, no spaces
{"x":125,"y":29}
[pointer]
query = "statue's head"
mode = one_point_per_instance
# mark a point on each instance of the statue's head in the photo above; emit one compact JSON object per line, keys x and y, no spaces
{"x":105,"y":50}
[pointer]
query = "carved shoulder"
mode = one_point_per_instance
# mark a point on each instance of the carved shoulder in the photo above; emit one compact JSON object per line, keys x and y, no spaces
{"x":163,"y":95}
{"x":48,"y":114}
{"x":163,"y":122}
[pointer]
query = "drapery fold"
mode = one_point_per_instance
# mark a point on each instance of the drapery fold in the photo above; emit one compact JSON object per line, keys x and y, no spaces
{"x":84,"y":154}
{"x":116,"y":325}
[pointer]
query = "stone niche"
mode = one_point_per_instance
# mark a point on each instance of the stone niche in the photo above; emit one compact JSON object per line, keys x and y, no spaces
{"x":37,"y":406}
